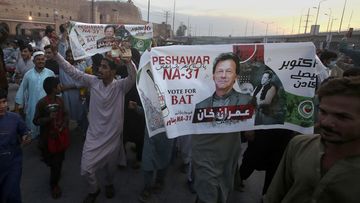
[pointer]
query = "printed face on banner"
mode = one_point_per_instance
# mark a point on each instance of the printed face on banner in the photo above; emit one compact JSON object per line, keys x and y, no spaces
{"x":224,"y":76}
{"x":109,"y":31}
{"x":265,"y":79}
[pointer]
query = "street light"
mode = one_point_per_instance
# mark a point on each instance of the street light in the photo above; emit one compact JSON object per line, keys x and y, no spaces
{"x":148,"y":17}
{"x":332,"y":21}
{"x":342,"y":16}
{"x":318,"y":9}
{"x":56,"y":14}
{"x":328,"y":14}
{"x":267,"y":26}
{"x":30,"y":17}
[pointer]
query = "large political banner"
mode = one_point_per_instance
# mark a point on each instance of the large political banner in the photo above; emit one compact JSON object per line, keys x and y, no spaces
{"x":89,"y":39}
{"x":210,"y":89}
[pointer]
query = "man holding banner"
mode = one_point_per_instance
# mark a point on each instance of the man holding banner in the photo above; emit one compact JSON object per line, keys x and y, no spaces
{"x":215,"y":156}
{"x":103,"y":138}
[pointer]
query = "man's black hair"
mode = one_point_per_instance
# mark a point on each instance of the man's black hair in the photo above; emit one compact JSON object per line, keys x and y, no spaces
{"x":62,"y":28}
{"x":50,"y":83}
{"x":327,"y":55}
{"x":3,"y":94}
{"x":112,"y":64}
{"x":47,"y":47}
{"x":27,"y":46}
{"x":227,"y":56}
{"x":96,"y":59}
{"x":270,"y":73}
{"x":49,"y":30}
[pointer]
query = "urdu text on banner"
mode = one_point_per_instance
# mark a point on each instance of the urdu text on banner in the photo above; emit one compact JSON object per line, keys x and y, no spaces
{"x":274,"y":87}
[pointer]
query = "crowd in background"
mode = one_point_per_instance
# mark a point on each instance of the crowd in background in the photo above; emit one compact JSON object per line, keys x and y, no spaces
{"x":46,"y":69}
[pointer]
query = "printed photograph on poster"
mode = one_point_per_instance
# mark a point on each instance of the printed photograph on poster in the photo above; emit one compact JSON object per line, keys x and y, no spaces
{"x":261,"y":82}
{"x":225,"y":104}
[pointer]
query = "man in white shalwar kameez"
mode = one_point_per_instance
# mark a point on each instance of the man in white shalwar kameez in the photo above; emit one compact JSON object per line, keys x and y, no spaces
{"x":103,"y":138}
{"x":31,"y":91}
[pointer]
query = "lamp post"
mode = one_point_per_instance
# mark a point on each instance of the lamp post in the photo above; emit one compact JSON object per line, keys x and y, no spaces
{"x":317,"y":13}
{"x":342,"y":16}
{"x":328,"y":14}
{"x":173,"y":20}
{"x":56,"y":14}
{"x":332,"y":21}
{"x":266,"y":31}
{"x":148,"y":12}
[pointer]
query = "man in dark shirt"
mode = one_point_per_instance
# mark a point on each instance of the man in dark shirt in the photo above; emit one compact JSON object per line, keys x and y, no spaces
{"x":50,"y":62}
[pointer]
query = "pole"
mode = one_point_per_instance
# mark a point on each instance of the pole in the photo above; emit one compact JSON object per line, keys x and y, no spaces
{"x":318,"y":9}
{"x":148,"y":17}
{"x":246,"y":26}
{"x":300,"y":23}
{"x":173,"y":23}
{"x":307,"y":20}
{"x":327,"y":28}
{"x":342,"y":16}
{"x":252,"y":29}
{"x":266,"y":31}
{"x":350,"y":19}
{"x":332,"y":21}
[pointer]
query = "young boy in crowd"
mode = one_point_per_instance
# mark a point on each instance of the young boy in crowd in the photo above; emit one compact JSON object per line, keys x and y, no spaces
{"x":13,"y":133}
{"x":53,"y":120}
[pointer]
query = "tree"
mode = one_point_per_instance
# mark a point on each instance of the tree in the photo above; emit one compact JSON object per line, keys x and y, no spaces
{"x":180,"y":32}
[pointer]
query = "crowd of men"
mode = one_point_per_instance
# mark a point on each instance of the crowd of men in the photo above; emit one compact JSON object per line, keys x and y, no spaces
{"x":100,"y":95}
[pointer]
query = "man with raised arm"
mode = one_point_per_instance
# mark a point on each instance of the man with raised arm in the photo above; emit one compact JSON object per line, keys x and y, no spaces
{"x":106,"y":118}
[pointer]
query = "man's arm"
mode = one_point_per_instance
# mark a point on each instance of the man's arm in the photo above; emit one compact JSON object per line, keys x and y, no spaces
{"x":74,"y":73}
{"x":19,"y":98}
{"x":71,"y":70}
{"x":130,"y":79}
{"x":23,"y":131}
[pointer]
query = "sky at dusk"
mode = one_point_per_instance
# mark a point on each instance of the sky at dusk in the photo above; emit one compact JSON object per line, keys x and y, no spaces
{"x":250,"y":17}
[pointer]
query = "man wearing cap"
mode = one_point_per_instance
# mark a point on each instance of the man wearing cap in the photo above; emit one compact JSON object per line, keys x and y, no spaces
{"x":32,"y":83}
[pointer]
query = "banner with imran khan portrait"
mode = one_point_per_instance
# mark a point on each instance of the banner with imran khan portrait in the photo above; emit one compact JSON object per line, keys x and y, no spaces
{"x":200,"y":89}
{"x":88,"y":39}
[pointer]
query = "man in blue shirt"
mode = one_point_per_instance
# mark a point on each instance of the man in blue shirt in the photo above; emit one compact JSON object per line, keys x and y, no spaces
{"x":13,"y":133}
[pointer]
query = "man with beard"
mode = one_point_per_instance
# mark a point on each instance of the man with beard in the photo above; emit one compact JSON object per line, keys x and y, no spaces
{"x":324,"y":168}
{"x":32,"y":83}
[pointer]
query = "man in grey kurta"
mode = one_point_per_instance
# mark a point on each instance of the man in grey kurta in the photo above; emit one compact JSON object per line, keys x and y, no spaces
{"x":324,"y":168}
{"x":103,"y":137}
{"x":215,"y":156}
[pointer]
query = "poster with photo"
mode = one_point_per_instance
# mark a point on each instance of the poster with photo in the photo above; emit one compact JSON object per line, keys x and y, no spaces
{"x":205,"y":89}
{"x":88,"y":39}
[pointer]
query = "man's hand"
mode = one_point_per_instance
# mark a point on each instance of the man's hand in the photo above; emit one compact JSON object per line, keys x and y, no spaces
{"x":132,"y":105}
{"x":26,"y":139}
